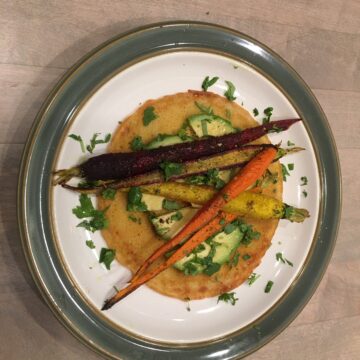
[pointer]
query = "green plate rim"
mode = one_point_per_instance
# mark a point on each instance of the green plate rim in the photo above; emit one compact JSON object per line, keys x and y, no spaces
{"x":35,"y":229}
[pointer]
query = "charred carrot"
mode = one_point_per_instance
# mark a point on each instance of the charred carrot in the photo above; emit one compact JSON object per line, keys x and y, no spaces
{"x":204,"y":233}
{"x":125,"y":165}
{"x":253,"y":170}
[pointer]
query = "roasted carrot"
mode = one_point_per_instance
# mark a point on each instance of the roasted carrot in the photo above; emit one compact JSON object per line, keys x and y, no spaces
{"x":204,"y":233}
{"x":253,"y":170}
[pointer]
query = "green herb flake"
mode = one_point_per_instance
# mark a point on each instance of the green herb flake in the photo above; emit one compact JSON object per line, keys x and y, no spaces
{"x":212,"y":269}
{"x":95,"y":141}
{"x":134,"y":200}
{"x":95,"y":219}
{"x":305,"y":193}
{"x":209,"y":82}
{"x":79,"y":139}
{"x":268,"y":112}
{"x":170,"y":169}
{"x":304,"y":180}
{"x":90,"y":244}
{"x":107,"y":256}
{"x":108,"y":194}
{"x":229,"y":93}
{"x":136,"y":143}
{"x":284,"y":171}
{"x":170,"y":205}
{"x":252,"y":278}
{"x":289,"y":143}
{"x":291,"y":167}
{"x":149,"y":115}
{"x":134,"y":219}
{"x":268,"y":286}
{"x":177,"y":216}
{"x":222,"y":222}
{"x":228,"y":298}
{"x":246,"y":257}
{"x":235,"y":260}
{"x":255,"y":111}
{"x":229,"y":228}
{"x":280,"y":257}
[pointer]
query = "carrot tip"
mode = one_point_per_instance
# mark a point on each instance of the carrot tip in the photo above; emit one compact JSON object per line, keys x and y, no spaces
{"x":107,"y":304}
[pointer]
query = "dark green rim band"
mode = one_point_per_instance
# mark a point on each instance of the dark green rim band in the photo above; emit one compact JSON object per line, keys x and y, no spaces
{"x":41,"y":148}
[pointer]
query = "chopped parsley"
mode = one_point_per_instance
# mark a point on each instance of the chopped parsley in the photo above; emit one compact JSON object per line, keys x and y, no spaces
{"x":305,"y":193}
{"x":209,"y":82}
{"x":177,"y":216}
{"x":255,"y":111}
{"x":134,"y":200}
{"x":95,"y":218}
{"x":252,"y":278}
{"x":284,"y":171}
{"x":212,"y":268}
{"x":79,"y":139}
{"x":170,"y":205}
{"x":280,"y":257}
{"x":291,"y":167}
{"x":268,"y":286}
{"x":134,"y":219}
{"x":268,"y":112}
{"x":170,"y":169}
{"x":90,"y":244}
{"x":235,"y":260}
{"x":229,"y":228}
{"x":229,"y":93}
{"x":246,"y":257}
{"x":95,"y":141}
{"x":107,"y":256}
{"x":304,"y":180}
{"x":228,"y":298}
{"x":136,"y":143}
{"x":211,"y":178}
{"x":289,"y":143}
{"x":108,"y":194}
{"x":149,"y":115}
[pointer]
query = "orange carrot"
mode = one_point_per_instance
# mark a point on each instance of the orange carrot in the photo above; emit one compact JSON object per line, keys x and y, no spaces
{"x":253,"y":170}
{"x":204,"y":233}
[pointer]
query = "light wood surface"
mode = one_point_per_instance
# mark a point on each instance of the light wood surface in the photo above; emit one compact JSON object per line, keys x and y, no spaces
{"x":39,"y":40}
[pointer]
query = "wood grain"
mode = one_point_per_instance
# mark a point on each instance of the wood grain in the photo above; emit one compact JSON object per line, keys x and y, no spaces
{"x":39,"y":40}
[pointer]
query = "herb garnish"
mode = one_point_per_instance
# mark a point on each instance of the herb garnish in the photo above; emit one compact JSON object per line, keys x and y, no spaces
{"x":289,"y":143}
{"x":170,"y":205}
{"x":284,"y":171}
{"x":229,"y":228}
{"x":252,"y":278}
{"x":304,"y":180}
{"x":268,"y":112}
{"x":134,"y":200}
{"x":149,"y":115}
{"x":228,"y":298}
{"x":136,"y":143}
{"x":255,"y":112}
{"x":90,"y":244}
{"x":209,"y":82}
{"x":268,"y":286}
{"x":229,"y":93}
{"x":108,"y":194}
{"x":134,"y":219}
{"x":95,"y":141}
{"x":305,"y":193}
{"x":291,"y":167}
{"x":177,"y":216}
{"x":106,"y":257}
{"x":204,"y":109}
{"x":79,"y":139}
{"x":170,"y":169}
{"x":235,"y":260}
{"x":246,"y":257}
{"x":279,"y":257}
{"x":86,"y":210}
{"x":211,"y":178}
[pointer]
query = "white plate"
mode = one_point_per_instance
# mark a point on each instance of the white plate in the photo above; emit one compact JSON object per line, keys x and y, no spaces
{"x":145,"y":312}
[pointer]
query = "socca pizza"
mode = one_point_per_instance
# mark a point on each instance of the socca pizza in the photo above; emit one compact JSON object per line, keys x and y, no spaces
{"x":189,"y":194}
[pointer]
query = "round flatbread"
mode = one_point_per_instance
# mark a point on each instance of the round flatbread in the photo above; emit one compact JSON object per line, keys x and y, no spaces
{"x":135,"y":242}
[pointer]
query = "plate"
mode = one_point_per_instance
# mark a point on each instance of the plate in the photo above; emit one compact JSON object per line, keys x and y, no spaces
{"x":97,"y":93}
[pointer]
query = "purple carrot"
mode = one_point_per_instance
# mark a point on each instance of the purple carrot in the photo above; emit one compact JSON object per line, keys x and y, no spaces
{"x":119,"y":166}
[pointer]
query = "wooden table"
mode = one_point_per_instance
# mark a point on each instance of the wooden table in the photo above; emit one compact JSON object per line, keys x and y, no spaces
{"x":40,"y":40}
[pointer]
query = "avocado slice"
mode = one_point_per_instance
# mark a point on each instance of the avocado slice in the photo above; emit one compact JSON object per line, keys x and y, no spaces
{"x":210,"y":125}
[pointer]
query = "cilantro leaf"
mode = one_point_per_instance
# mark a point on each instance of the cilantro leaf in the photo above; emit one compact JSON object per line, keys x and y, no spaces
{"x":90,"y":244}
{"x":136,"y":143}
{"x":95,"y":141}
{"x":108,"y":194}
{"x":229,"y":93}
{"x":170,"y":169}
{"x":252,"y":278}
{"x":204,"y":109}
{"x":107,"y":256}
{"x":209,"y":82}
{"x":134,"y":200}
{"x":79,"y":139}
{"x":284,"y":171}
{"x":255,"y":112}
{"x":304,"y":180}
{"x":268,"y":286}
{"x":279,"y":257}
{"x":228,"y":298}
{"x":268,"y":112}
{"x":149,"y":115}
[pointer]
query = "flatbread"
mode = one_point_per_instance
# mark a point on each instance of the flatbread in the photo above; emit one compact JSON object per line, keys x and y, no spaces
{"x":134,"y":242}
